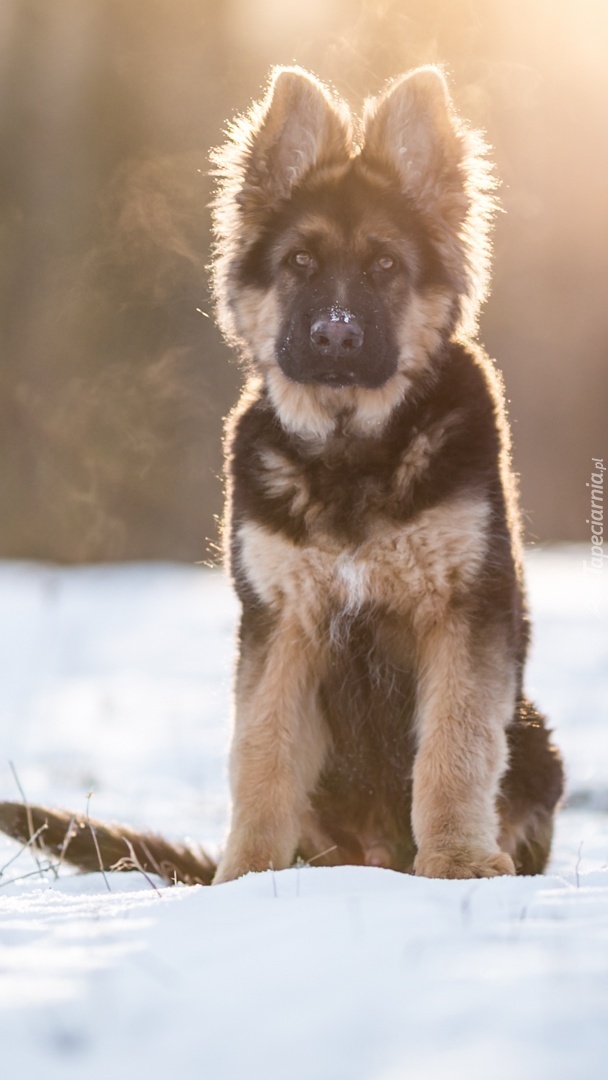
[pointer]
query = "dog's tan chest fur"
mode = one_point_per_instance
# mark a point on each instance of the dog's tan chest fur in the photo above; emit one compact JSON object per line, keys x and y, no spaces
{"x":412,"y":568}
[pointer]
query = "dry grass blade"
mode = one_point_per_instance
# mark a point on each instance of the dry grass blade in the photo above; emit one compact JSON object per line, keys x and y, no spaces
{"x":30,"y":821}
{"x":321,"y":854}
{"x":93,"y":832}
{"x":133,"y":863}
{"x":32,"y":873}
{"x":24,"y":847}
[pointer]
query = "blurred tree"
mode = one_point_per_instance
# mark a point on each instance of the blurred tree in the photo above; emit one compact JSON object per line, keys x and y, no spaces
{"x":113,"y":382}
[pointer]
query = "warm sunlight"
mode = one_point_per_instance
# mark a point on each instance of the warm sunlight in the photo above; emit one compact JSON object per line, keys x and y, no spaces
{"x":107,"y":115}
{"x":303,"y":578}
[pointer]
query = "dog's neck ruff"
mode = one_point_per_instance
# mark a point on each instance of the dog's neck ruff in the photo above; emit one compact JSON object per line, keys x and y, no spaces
{"x":315,"y":413}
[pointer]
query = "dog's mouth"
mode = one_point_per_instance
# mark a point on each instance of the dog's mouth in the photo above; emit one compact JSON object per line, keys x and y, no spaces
{"x":335,"y":379}
{"x":319,"y":374}
{"x":338,"y":379}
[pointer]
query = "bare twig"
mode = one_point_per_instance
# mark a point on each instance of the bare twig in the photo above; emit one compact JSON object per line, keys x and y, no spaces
{"x":150,"y":856}
{"x":34,"y":834}
{"x":95,"y":841}
{"x":28,"y":810}
{"x":100,"y":860}
{"x":18,"y":783}
{"x":33,"y":873}
{"x":69,"y":833}
{"x":578,"y":863}
{"x":322,"y":853}
{"x":133,"y":863}
{"x":24,"y":847}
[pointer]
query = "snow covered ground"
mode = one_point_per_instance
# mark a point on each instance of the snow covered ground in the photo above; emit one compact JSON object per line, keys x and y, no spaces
{"x":115,"y":680}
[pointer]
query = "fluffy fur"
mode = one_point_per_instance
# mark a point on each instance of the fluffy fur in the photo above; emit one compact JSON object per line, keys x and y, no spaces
{"x":372,"y":529}
{"x":372,"y":522}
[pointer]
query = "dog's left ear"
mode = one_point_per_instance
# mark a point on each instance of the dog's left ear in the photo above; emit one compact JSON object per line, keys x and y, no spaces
{"x":413,"y":129}
{"x":300,"y":127}
{"x":296,"y":127}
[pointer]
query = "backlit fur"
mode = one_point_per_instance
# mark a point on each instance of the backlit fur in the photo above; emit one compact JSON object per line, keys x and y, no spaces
{"x":372,"y":528}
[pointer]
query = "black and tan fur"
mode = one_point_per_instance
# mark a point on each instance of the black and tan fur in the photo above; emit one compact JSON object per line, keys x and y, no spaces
{"x":372,"y":527}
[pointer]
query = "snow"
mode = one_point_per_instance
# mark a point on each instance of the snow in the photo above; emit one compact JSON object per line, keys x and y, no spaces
{"x":340,"y":314}
{"x":116,"y":680}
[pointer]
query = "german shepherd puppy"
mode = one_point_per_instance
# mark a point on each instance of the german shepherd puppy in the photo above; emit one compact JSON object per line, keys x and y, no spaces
{"x":372,"y":527}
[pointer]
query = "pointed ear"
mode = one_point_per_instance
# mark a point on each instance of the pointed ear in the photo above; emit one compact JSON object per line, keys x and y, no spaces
{"x":296,"y":127}
{"x":441,"y":165}
{"x":413,"y":129}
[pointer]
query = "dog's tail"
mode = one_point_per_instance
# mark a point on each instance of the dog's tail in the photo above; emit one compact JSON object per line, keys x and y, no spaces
{"x":92,"y":846}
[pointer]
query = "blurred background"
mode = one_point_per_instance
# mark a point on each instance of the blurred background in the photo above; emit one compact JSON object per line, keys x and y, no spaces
{"x":113,"y":379}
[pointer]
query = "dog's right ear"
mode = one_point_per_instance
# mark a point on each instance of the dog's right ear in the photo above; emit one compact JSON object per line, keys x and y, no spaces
{"x":297,"y":126}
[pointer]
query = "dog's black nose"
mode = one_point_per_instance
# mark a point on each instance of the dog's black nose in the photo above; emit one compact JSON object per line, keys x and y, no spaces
{"x":338,"y":336}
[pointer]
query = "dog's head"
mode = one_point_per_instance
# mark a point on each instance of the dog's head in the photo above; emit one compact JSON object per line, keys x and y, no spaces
{"x":344,"y":258}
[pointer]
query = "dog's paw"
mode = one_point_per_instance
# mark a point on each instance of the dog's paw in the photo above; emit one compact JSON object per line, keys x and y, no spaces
{"x":234,"y":865}
{"x":463,"y":864}
{"x":229,"y":869}
{"x":227,"y":873}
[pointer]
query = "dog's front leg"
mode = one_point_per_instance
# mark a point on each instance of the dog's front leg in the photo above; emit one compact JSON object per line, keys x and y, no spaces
{"x":465,"y":700}
{"x":277,"y":752}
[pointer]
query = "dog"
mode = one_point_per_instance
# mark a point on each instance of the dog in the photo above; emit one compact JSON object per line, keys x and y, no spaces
{"x":372,"y":530}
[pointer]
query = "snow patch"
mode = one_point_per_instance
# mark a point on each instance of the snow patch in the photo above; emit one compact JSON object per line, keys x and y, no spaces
{"x":118,"y":679}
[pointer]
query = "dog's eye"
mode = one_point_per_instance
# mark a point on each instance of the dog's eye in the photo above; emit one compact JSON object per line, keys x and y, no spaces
{"x":383,"y":263}
{"x":302,"y":258}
